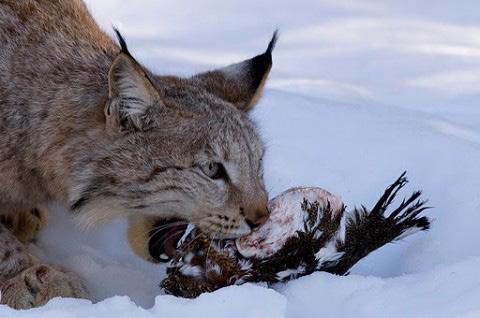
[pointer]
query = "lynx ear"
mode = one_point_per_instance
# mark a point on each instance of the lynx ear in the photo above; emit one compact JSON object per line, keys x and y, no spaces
{"x":240,"y":84}
{"x":131,"y":93}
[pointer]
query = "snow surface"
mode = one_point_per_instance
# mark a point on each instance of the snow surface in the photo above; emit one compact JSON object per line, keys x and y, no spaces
{"x":360,"y":91}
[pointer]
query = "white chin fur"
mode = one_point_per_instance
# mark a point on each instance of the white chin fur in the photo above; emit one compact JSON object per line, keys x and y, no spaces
{"x":99,"y":212}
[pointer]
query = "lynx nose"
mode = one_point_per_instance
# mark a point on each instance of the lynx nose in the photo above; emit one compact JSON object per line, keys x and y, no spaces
{"x":257,"y":216}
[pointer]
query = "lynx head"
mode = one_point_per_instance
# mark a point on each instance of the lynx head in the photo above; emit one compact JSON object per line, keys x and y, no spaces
{"x":177,"y":151}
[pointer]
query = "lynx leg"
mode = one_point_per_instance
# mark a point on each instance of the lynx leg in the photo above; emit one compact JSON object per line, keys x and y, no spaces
{"x":40,"y":283}
{"x":26,"y":283}
{"x":25,"y":225}
{"x":14,"y":257}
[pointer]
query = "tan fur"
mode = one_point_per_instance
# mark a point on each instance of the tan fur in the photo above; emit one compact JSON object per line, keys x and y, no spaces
{"x":83,"y":123}
{"x":139,"y":230}
{"x":26,"y":283}
{"x":25,"y":225}
{"x":39,"y":284}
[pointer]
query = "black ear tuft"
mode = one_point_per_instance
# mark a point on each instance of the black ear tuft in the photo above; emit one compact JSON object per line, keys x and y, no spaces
{"x":272,"y":43}
{"x":121,"y":41}
{"x":261,"y":64}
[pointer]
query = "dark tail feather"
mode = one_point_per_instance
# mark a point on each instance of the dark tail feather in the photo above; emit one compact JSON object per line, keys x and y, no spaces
{"x":366,"y":231}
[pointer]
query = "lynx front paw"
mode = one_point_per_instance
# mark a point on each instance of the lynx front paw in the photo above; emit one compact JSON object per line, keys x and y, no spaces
{"x":25,"y":225}
{"x":38,"y":284}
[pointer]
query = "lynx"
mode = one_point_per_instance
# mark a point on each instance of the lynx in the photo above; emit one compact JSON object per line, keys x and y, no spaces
{"x":83,"y":123}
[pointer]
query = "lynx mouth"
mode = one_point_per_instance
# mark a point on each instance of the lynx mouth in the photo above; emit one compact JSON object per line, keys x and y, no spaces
{"x":165,"y":237}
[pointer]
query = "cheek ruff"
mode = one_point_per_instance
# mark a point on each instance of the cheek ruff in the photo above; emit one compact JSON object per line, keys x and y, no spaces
{"x":308,"y":230}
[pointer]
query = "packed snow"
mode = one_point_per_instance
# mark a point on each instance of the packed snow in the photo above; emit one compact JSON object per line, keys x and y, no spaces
{"x":359,"y":91}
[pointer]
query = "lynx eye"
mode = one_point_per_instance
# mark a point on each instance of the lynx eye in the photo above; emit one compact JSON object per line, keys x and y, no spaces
{"x":214,"y":170}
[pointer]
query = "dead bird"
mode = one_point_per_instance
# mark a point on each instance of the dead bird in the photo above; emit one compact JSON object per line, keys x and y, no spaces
{"x":308,"y":230}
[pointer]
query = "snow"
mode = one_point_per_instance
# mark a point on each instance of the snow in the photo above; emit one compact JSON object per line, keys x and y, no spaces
{"x":234,"y":302}
{"x":360,"y":91}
